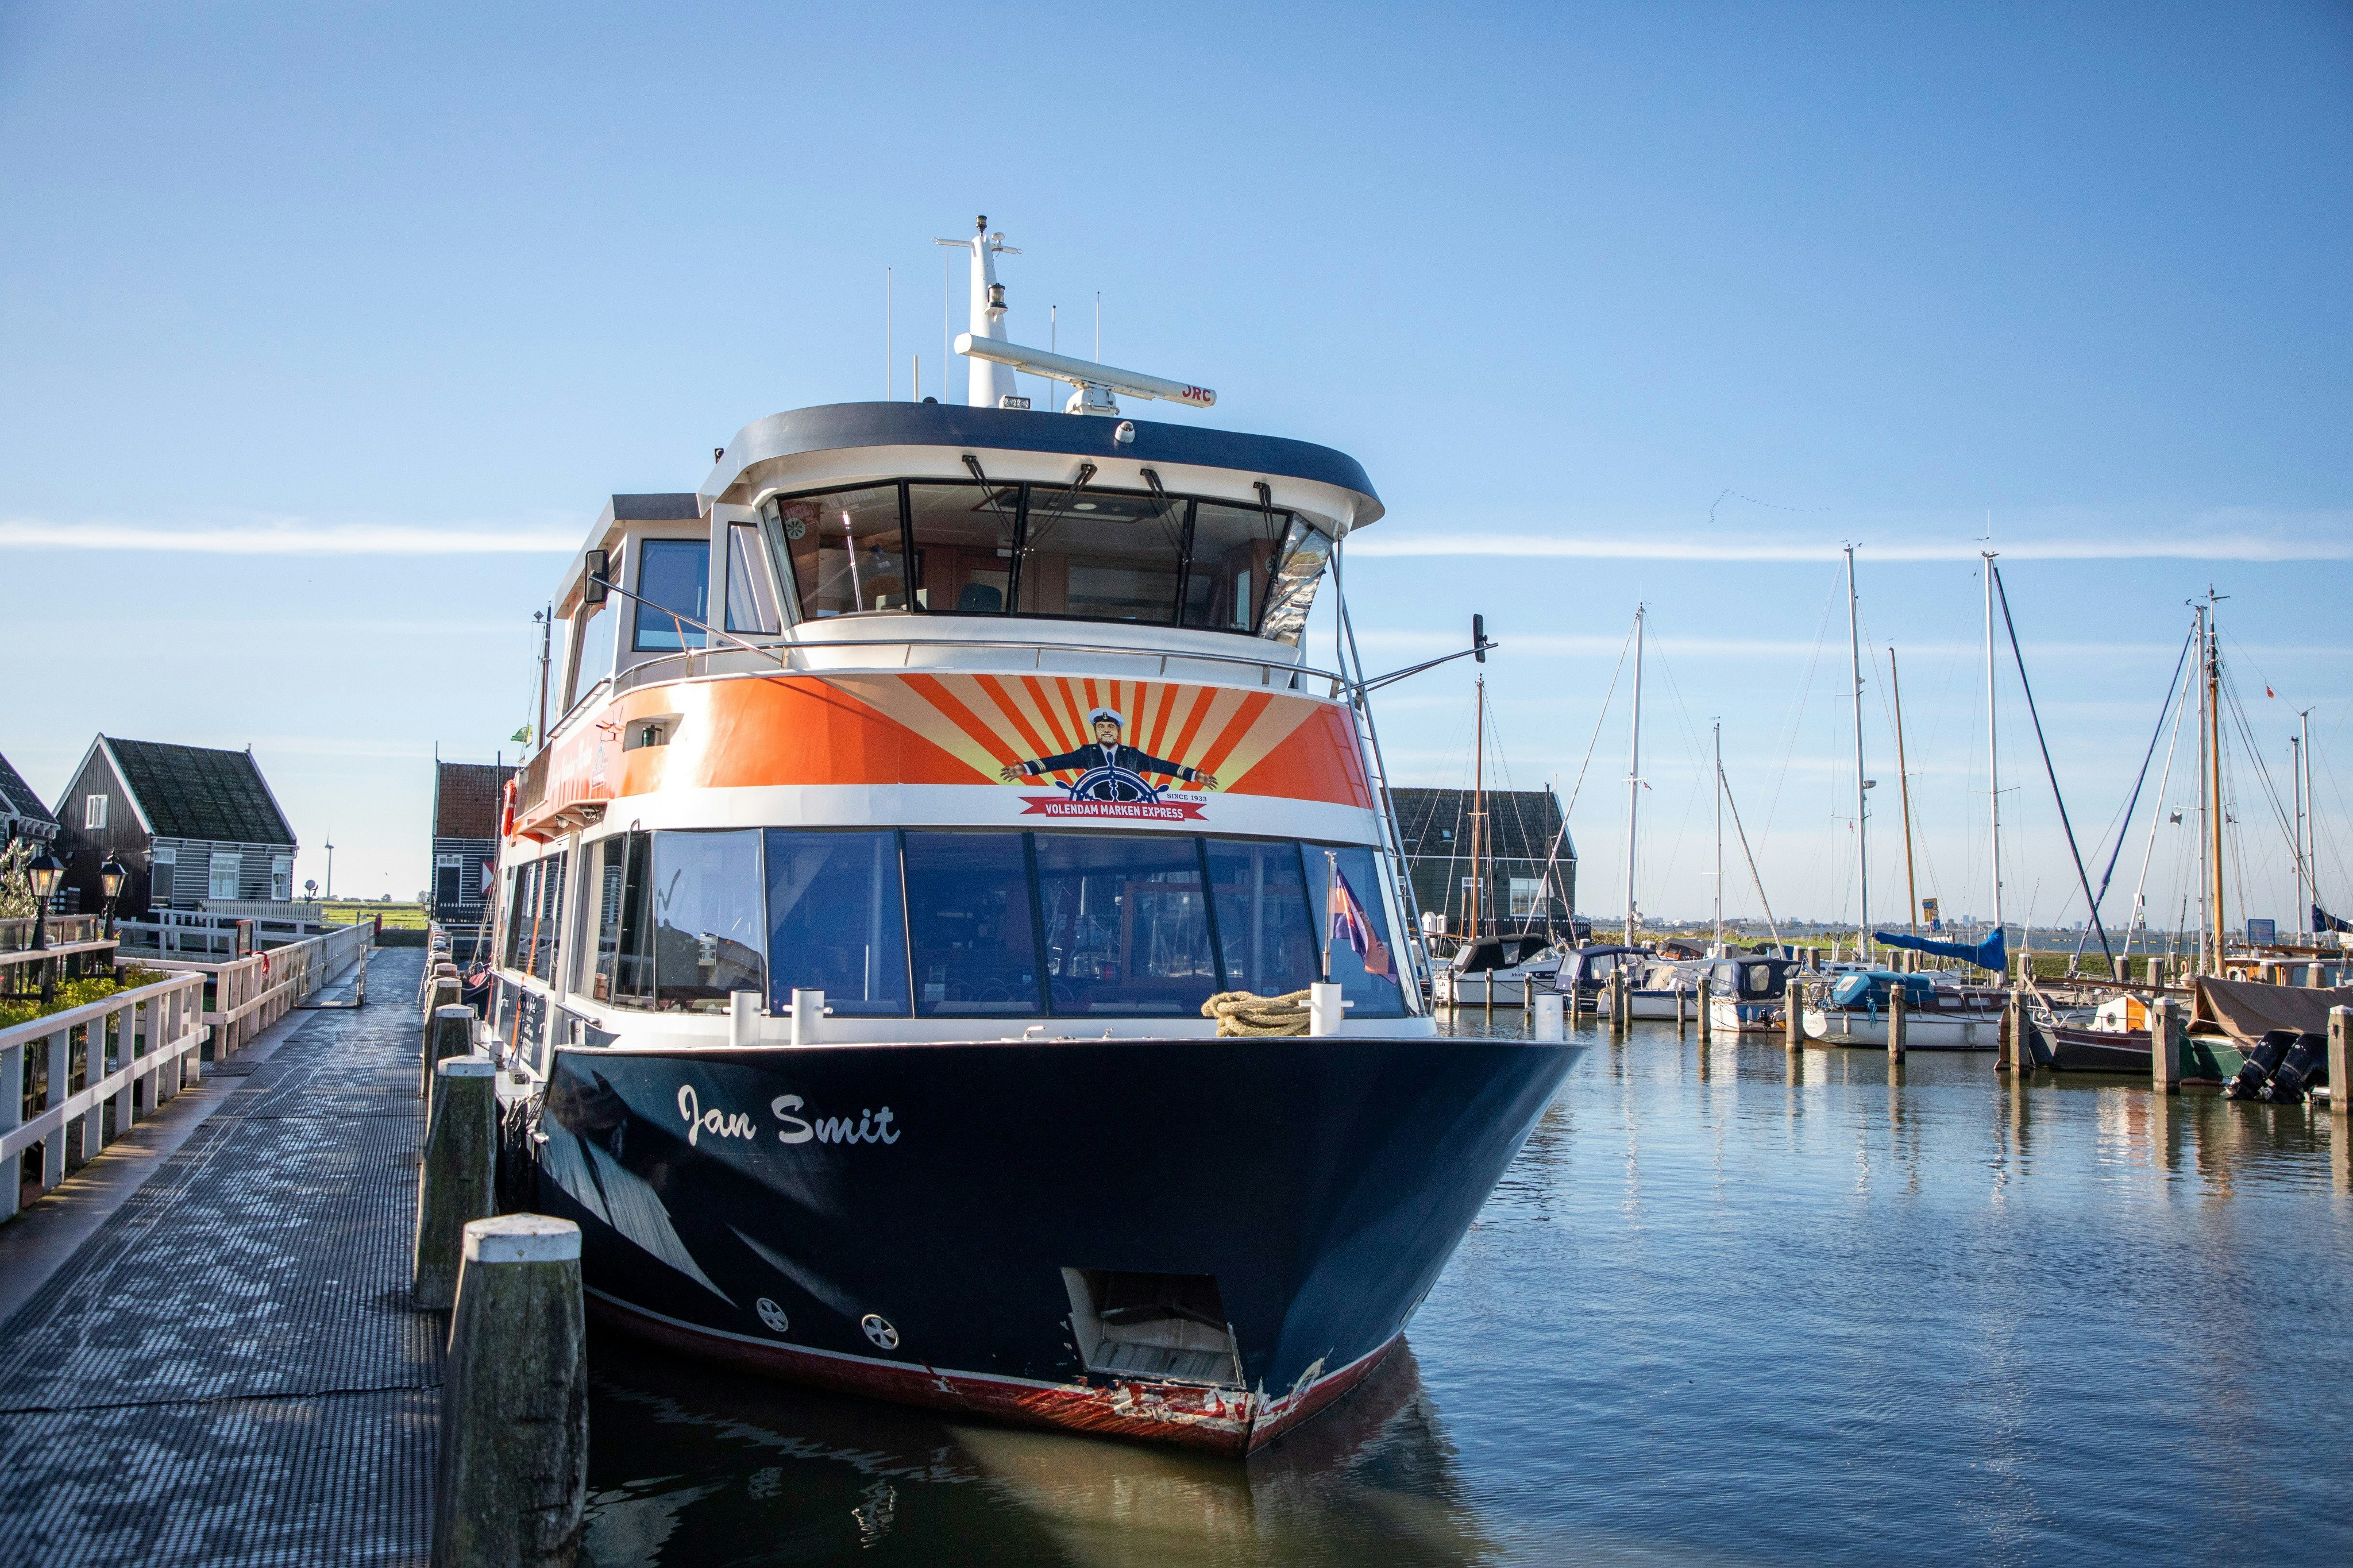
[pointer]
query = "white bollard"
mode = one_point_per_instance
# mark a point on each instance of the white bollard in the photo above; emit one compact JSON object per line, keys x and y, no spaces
{"x":1325,"y":1011}
{"x":1548,"y":1016}
{"x":808,"y":1016}
{"x":743,"y":1017}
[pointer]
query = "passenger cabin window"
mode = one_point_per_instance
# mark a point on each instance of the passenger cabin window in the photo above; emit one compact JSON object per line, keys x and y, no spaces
{"x":708,"y":934}
{"x":623,"y":971}
{"x":1265,"y":931}
{"x":972,"y":924}
{"x":751,"y":590}
{"x":1127,"y":929}
{"x":673,"y":580}
{"x":835,"y":921}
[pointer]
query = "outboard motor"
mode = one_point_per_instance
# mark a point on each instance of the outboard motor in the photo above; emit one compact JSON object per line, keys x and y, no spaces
{"x":2255,"y":1074}
{"x":2304,"y":1062}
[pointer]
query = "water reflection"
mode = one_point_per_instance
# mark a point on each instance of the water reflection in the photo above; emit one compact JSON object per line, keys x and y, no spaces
{"x":689,"y":1463}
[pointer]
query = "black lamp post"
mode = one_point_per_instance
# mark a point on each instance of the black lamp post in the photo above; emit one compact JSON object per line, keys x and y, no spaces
{"x":110,"y":878}
{"x":42,"y":874}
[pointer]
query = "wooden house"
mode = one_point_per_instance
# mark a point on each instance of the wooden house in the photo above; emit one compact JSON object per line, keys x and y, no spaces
{"x":1527,"y":878}
{"x":188,"y":823}
{"x":21,"y":814}
{"x":467,"y":798}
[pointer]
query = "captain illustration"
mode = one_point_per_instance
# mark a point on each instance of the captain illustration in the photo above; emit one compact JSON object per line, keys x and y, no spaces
{"x":1108,"y":770}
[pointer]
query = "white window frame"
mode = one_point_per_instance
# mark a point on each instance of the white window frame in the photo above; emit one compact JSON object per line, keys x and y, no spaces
{"x":93,"y":813}
{"x":234,"y":861}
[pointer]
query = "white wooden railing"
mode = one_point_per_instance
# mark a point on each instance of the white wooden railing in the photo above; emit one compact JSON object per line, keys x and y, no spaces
{"x":155,"y":1033}
{"x":251,"y":993}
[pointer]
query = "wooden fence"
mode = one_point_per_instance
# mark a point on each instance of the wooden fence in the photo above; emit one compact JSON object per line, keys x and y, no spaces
{"x":133,"y":1041}
{"x":246,"y":995}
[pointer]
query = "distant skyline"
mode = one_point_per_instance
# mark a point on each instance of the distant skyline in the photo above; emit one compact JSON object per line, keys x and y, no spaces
{"x":327,"y":333}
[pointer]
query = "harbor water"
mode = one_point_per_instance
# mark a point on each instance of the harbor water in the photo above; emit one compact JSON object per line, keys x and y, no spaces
{"x":1728,"y":1306}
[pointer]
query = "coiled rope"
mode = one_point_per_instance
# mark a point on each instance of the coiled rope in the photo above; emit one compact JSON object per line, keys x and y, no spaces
{"x":1247,"y":1013}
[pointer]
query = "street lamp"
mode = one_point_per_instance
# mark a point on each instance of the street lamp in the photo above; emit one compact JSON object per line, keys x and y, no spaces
{"x":42,"y":874}
{"x":110,"y":878}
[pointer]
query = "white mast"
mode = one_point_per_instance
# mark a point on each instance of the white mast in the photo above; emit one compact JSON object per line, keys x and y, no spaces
{"x":2310,"y":811}
{"x":1634,"y":776}
{"x":1861,"y":827}
{"x":989,"y":383}
{"x":1719,"y":835}
{"x":2296,"y":786}
{"x":1993,"y":748}
{"x":2205,"y":667}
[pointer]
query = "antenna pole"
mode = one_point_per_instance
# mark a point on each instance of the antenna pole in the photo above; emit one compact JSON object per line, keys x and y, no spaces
{"x":889,"y":355}
{"x":1993,"y":748}
{"x":547,"y":630}
{"x":1862,"y":825}
{"x":1478,"y":807}
{"x":1719,"y":834}
{"x":1634,"y":774}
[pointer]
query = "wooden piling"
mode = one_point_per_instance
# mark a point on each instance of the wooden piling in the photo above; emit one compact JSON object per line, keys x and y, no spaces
{"x":1896,"y":1030}
{"x":1707,"y":1009}
{"x":456,"y":1181}
{"x":2340,"y":1064}
{"x":2021,"y":1049}
{"x":2165,"y":1046}
{"x":1793,"y":1014}
{"x":1679,"y":1010}
{"x":448,"y":1032}
{"x":515,"y":1399}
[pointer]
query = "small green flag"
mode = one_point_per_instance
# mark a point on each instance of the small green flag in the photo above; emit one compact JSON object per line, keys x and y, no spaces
{"x":521,"y":735}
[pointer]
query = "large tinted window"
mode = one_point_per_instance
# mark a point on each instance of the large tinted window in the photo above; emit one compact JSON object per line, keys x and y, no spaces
{"x":674,"y":574}
{"x":1373,"y":990}
{"x":1102,"y":554}
{"x":751,"y":591}
{"x":1127,"y":930}
{"x":847,"y":552}
{"x":708,"y":930}
{"x":623,"y":971}
{"x":835,"y":923}
{"x":964,"y":546}
{"x":1265,"y":931}
{"x":1233,"y":554}
{"x":970,"y":920}
{"x":550,"y":923}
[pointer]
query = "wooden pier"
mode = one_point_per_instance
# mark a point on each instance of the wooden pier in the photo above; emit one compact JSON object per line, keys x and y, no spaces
{"x":207,"y":1351}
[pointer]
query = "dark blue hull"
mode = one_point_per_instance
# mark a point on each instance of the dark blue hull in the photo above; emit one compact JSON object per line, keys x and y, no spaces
{"x":1199,"y":1241}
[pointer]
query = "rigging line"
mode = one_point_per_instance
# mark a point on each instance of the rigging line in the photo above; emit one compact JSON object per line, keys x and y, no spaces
{"x":2180,"y":697}
{"x":1805,"y":697}
{"x":2049,"y":771}
{"x":1770,"y":923}
{"x":2263,"y":769}
{"x":2132,"y":804}
{"x":1597,"y":722}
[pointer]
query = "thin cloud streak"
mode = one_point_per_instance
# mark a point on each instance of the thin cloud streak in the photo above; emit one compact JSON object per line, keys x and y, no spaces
{"x":2242,"y":547}
{"x":284,"y":539}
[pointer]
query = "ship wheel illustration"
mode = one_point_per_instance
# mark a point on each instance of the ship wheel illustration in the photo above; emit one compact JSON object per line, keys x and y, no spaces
{"x":879,"y":1331}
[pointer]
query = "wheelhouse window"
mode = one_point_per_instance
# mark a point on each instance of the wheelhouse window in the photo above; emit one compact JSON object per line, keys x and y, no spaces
{"x":708,"y":935}
{"x":674,"y":580}
{"x":751,"y":590}
{"x":1103,"y":555}
{"x":1234,"y":549}
{"x":847,"y":549}
{"x":836,"y":924}
{"x":1127,"y":928}
{"x":1305,"y":549}
{"x":1264,"y":931}
{"x":965,"y":537}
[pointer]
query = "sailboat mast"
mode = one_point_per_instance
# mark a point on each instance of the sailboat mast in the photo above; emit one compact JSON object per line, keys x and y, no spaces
{"x":1478,"y":811}
{"x":1904,"y":788}
{"x":2205,"y":774}
{"x":1993,"y":749}
{"x":2311,"y":898}
{"x":2214,"y":817}
{"x":1634,"y":776}
{"x":1719,"y":835}
{"x":2296,"y":847}
{"x":1862,"y":828}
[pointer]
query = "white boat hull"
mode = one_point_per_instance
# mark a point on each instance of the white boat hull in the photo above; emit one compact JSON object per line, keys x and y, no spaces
{"x":1922,"y":1031}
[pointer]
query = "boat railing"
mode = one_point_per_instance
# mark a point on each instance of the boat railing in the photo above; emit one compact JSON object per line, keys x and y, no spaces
{"x":894,"y":654}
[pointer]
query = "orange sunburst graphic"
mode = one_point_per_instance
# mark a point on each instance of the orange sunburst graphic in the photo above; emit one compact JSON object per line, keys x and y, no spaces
{"x":989,"y":721}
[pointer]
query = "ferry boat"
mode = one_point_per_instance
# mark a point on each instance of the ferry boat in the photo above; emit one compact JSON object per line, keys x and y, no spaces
{"x":920,"y":778}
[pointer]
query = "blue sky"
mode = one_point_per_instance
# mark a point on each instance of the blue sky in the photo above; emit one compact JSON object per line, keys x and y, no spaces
{"x":1616,"y":303}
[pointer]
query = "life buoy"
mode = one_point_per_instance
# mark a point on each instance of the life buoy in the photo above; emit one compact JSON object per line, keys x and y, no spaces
{"x":507,"y":811}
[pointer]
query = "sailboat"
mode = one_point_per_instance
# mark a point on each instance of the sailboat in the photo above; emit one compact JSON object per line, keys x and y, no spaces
{"x":1487,"y":967}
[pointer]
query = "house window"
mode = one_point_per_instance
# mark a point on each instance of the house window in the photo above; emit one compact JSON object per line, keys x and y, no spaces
{"x":1527,"y":897}
{"x":282,"y":878}
{"x":225,"y":868}
{"x":93,"y":812}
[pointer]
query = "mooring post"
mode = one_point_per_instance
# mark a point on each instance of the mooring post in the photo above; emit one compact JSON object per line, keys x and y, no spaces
{"x":2340,"y":1064}
{"x":1325,"y":1009}
{"x":1793,"y":1013}
{"x":1896,"y":1029}
{"x":456,"y":1181}
{"x":1547,"y":1012}
{"x":2164,"y":1051}
{"x":448,"y":1032}
{"x":2013,"y":1026}
{"x":1707,"y":996}
{"x":515,"y":1400}
{"x":1678,"y":1010}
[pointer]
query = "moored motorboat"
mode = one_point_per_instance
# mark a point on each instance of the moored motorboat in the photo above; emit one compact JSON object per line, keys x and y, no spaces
{"x":1937,"y":1018}
{"x":921,"y":781}
{"x":1748,"y":993}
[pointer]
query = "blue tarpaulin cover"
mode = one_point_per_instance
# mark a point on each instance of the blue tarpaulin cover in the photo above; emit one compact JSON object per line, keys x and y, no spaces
{"x":1871,"y":988}
{"x":1991,"y":953}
